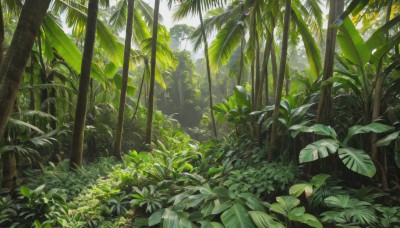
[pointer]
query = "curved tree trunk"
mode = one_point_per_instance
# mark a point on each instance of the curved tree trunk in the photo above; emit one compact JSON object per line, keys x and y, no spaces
{"x":324,"y":114}
{"x":125,"y":71}
{"x":203,"y":32}
{"x":81,"y":106}
{"x":150,"y":107}
{"x":281,"y":76}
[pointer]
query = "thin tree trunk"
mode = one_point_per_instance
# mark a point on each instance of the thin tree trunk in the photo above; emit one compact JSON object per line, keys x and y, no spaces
{"x":125,"y":71}
{"x":52,"y":104}
{"x":264,"y":70}
{"x":1,"y":34}
{"x":150,"y":107}
{"x":43,"y":77}
{"x":140,"y":92}
{"x":279,"y":86}
{"x":14,"y":63}
{"x":274,"y":68}
{"x":203,"y":31}
{"x":31,"y":83}
{"x":239,"y":78}
{"x":81,"y":107}
{"x":324,"y":113}
{"x":376,"y":112}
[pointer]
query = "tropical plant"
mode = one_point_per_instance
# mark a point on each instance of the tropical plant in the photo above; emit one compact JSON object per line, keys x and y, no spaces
{"x":149,"y":198}
{"x":354,"y":159}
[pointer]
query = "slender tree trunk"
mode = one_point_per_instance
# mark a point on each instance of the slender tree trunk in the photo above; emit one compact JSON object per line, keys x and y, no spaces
{"x":203,"y":31}
{"x":240,"y":75}
{"x":125,"y":71}
{"x":264,"y":70}
{"x":31,"y":83}
{"x":43,"y":77}
{"x":274,"y":68}
{"x":81,"y":106}
{"x":150,"y":107}
{"x":376,"y":112}
{"x":52,"y":104}
{"x":279,"y":86}
{"x":140,"y":91}
{"x":324,"y":113}
{"x":287,"y":80}
{"x":1,"y":34}
{"x":11,"y":72}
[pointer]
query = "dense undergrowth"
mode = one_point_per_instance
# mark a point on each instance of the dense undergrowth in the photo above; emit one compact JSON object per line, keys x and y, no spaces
{"x":214,"y":184}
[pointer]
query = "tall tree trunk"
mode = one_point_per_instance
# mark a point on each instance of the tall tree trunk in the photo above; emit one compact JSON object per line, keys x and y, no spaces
{"x":274,"y":66}
{"x":203,"y":31}
{"x":324,"y":113}
{"x":1,"y":34}
{"x":43,"y":77}
{"x":31,"y":83}
{"x":125,"y":71}
{"x":264,"y":71}
{"x":150,"y":106}
{"x":240,"y":75}
{"x":281,"y":76}
{"x":376,"y":111}
{"x":52,"y":104}
{"x":81,"y":106}
{"x":11,"y":72}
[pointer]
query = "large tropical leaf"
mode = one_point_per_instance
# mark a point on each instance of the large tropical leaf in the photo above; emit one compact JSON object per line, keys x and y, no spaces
{"x":378,"y":38}
{"x":357,"y":161}
{"x":322,"y":130}
{"x":352,"y":44}
{"x":319,"y":149}
{"x":312,"y":50}
{"x":227,"y":40}
{"x":373,"y":127}
{"x":382,"y":50}
{"x":264,"y":220}
{"x":236,"y":217}
{"x":388,"y":139}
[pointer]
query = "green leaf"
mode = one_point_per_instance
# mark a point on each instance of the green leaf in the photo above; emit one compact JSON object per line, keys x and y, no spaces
{"x":373,"y":127}
{"x":319,"y":179}
{"x":62,"y":43}
{"x":220,"y":207}
{"x":357,"y":161}
{"x":382,"y":50}
{"x":352,"y":44}
{"x":388,"y":139}
{"x":236,"y":217}
{"x":378,"y":38}
{"x":171,"y":219}
{"x":156,"y":217}
{"x":338,"y":201}
{"x":312,"y":49}
{"x":252,"y":201}
{"x":25,"y":191}
{"x":321,"y":129}
{"x":264,"y":220}
{"x":319,"y":149}
{"x":298,"y":189}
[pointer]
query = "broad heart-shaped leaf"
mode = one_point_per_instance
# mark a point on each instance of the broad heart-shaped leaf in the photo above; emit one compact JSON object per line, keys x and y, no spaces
{"x":357,"y":161}
{"x":352,"y":44}
{"x":320,"y":129}
{"x":319,"y":149}
{"x":262,"y":220}
{"x":388,"y":139}
{"x":373,"y":127}
{"x":236,"y":217}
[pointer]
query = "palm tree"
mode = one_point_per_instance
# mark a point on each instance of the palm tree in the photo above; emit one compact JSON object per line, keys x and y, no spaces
{"x":81,"y":107}
{"x":279,"y":86}
{"x":125,"y":71}
{"x":324,"y":114}
{"x":196,"y":7}
{"x":150,"y":106}
{"x":11,"y":73}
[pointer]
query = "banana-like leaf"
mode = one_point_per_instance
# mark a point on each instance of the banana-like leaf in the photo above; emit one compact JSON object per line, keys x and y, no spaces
{"x":322,"y":130}
{"x":236,"y":217}
{"x":378,"y":38}
{"x":354,"y":7}
{"x":319,"y":149}
{"x":262,"y":220}
{"x":382,"y":50}
{"x":388,"y":139}
{"x":345,"y":82}
{"x":373,"y":127}
{"x":357,"y":161}
{"x":312,"y":50}
{"x":352,"y":44}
